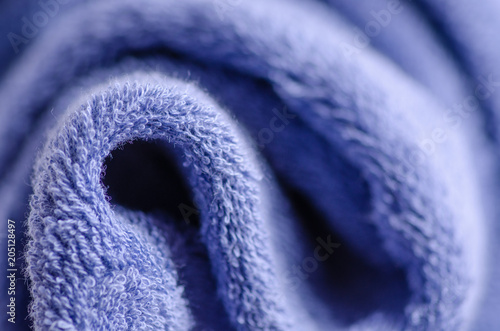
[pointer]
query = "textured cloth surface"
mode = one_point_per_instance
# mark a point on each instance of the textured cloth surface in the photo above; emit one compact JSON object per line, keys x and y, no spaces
{"x":251,"y":165}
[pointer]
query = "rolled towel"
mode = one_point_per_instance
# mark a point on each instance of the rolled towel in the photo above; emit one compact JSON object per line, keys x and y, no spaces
{"x":249,"y":165}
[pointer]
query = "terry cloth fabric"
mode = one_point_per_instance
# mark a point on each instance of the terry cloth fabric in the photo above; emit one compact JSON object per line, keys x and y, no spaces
{"x":250,"y":165}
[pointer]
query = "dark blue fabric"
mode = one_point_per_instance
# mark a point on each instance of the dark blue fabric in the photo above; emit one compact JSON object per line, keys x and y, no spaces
{"x":250,"y":165}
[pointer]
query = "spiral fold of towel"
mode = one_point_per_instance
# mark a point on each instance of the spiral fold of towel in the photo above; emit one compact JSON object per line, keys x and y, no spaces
{"x":250,"y":165}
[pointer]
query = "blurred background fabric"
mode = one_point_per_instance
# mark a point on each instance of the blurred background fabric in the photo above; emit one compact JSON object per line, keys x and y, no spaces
{"x":250,"y":165}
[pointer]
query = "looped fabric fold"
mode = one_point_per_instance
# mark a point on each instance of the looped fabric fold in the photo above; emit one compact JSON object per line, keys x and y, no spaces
{"x":250,"y":165}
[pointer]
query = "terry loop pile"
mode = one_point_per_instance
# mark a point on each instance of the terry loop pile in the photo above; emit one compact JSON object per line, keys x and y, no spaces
{"x":250,"y":165}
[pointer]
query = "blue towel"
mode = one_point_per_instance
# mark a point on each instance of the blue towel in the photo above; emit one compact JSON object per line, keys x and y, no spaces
{"x":250,"y":165}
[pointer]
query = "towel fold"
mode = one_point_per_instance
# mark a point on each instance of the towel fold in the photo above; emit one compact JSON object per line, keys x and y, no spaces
{"x":251,"y":165}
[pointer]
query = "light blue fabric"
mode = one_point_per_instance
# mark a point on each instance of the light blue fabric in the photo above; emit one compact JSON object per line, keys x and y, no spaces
{"x":251,"y":165}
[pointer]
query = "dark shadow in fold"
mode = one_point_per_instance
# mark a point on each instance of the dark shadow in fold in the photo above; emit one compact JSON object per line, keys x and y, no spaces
{"x":344,"y":281}
{"x":145,"y":176}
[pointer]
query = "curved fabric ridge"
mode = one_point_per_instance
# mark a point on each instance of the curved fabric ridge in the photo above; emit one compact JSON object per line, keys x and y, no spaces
{"x":70,"y":216}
